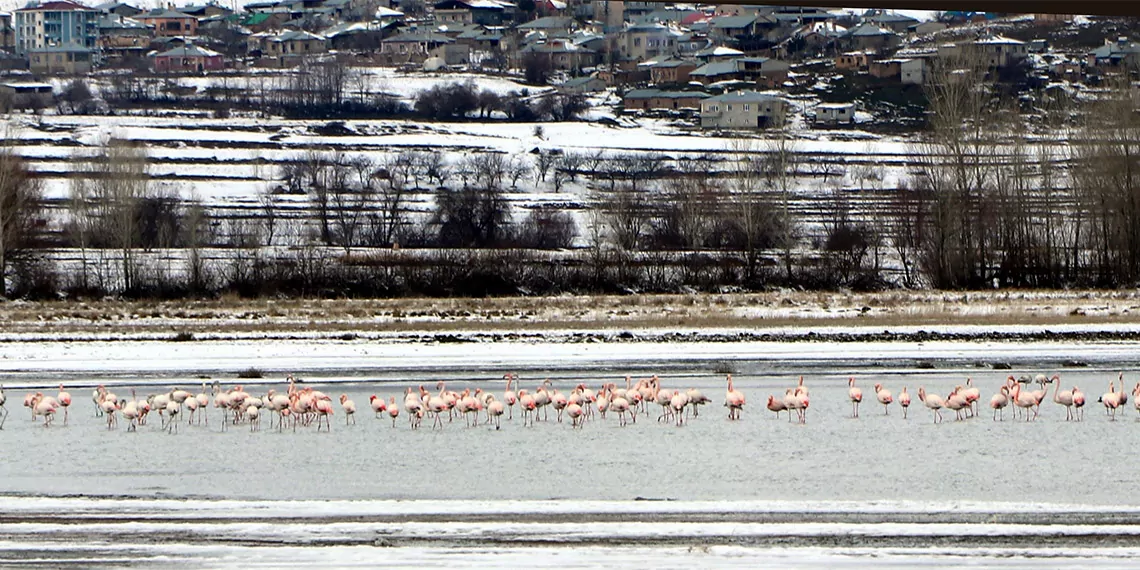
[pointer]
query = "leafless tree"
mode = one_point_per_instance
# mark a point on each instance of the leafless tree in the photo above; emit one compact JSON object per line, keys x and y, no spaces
{"x":21,"y":200}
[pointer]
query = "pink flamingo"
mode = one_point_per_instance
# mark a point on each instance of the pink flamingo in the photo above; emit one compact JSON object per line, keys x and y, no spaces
{"x":777,"y":406}
{"x":621,"y":406}
{"x":957,"y":401}
{"x":678,"y":403}
{"x":393,"y":410}
{"x":324,"y":409}
{"x":1024,"y":400}
{"x":377,"y":404}
{"x":884,"y":397}
{"x":999,"y":401}
{"x":1079,"y":404}
{"x":802,"y":402}
{"x":603,"y":400}
{"x":64,"y":399}
{"x":696,"y":399}
{"x":529,"y":407}
{"x":494,"y":410}
{"x":733,"y":400}
{"x":972,"y":395}
{"x":791,"y":400}
{"x":576,"y":414}
{"x":855,"y":395}
{"x":904,"y":401}
{"x":1065,"y":398}
{"x":349,"y":409}
{"x":509,"y":395}
{"x":932,"y":401}
{"x":1111,"y":399}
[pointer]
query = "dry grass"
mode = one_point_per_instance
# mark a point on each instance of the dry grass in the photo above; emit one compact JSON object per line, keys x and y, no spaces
{"x":761,"y":310}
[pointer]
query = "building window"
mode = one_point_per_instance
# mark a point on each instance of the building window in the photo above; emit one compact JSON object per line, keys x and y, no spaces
{"x":747,"y":107}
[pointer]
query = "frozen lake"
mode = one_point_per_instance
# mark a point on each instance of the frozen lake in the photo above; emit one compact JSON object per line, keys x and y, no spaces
{"x":761,"y":492}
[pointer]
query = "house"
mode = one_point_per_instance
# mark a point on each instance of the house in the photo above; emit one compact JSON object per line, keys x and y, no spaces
{"x":295,"y":43}
{"x":480,"y":38}
{"x":65,"y":27}
{"x":717,"y":53}
{"x":762,"y":70}
{"x":891,"y":21}
{"x":834,"y":113}
{"x":7,"y":32}
{"x":656,"y":100}
{"x":25,"y":95}
{"x":885,"y":68}
{"x":188,"y":59}
{"x":913,"y":71}
{"x":562,"y":54}
{"x":588,"y":84}
{"x":854,"y":60}
{"x":927,"y":28}
{"x":742,"y":110}
{"x":355,"y":36}
{"x":1000,"y":51}
{"x":1115,"y":54}
{"x":671,"y":71}
{"x":118,"y":9}
{"x":261,"y":22}
{"x":123,"y":39}
{"x":547,"y":24}
{"x":170,"y":23}
{"x":484,"y":12}
{"x":204,"y":11}
{"x":870,"y":36}
{"x":412,"y":47}
{"x":641,"y":42}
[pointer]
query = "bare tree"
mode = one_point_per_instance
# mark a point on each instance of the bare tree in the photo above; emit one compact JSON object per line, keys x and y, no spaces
{"x":21,"y":199}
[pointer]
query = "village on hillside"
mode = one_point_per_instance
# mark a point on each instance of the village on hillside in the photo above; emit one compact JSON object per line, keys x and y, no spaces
{"x":714,"y":66}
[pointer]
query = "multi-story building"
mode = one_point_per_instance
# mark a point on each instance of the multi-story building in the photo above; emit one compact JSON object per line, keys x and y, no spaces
{"x":57,"y":36}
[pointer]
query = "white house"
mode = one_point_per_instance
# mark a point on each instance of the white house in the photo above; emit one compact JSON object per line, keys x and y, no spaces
{"x":914,"y":71}
{"x":834,"y":113}
{"x":742,"y":110}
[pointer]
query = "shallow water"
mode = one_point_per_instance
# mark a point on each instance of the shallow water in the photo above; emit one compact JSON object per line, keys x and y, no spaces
{"x":756,"y":485}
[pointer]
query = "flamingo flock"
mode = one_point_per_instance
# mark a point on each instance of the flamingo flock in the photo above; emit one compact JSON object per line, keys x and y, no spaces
{"x":306,"y":407}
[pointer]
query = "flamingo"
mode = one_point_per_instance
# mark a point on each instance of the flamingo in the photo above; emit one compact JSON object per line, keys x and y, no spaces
{"x":620,"y":405}
{"x":1078,"y":403}
{"x":800,"y":394}
{"x":324,"y":410}
{"x":97,"y":399}
{"x":65,"y":401}
{"x":542,"y":400}
{"x":509,"y":395}
{"x":972,"y":395}
{"x":494,"y":410}
{"x":393,"y":411}
{"x":884,"y":397}
{"x":576,"y":414}
{"x":377,"y":404}
{"x":45,"y":406}
{"x":733,"y":400}
{"x":855,"y":395}
{"x":1111,"y":399}
{"x":529,"y":407}
{"x":253,"y":413}
{"x":777,"y":406}
{"x":349,"y":409}
{"x":603,"y":400}
{"x":956,"y":401}
{"x":1024,"y":400}
{"x":696,"y":399}
{"x":172,"y":409}
{"x":678,"y":403}
{"x":790,"y":402}
{"x":110,"y":406}
{"x":1064,"y":398}
{"x":932,"y":401}
{"x":130,"y":411}
{"x":203,"y":403}
{"x":999,"y":401}
{"x":904,"y":401}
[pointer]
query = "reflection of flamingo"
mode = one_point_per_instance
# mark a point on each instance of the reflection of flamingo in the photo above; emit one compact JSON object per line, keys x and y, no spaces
{"x":733,"y":400}
{"x":855,"y":395}
{"x":932,"y":401}
{"x":904,"y":401}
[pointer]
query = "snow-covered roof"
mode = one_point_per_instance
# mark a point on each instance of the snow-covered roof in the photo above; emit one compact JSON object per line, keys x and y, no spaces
{"x":998,"y":40}
{"x":743,"y":97}
{"x":189,"y":50}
